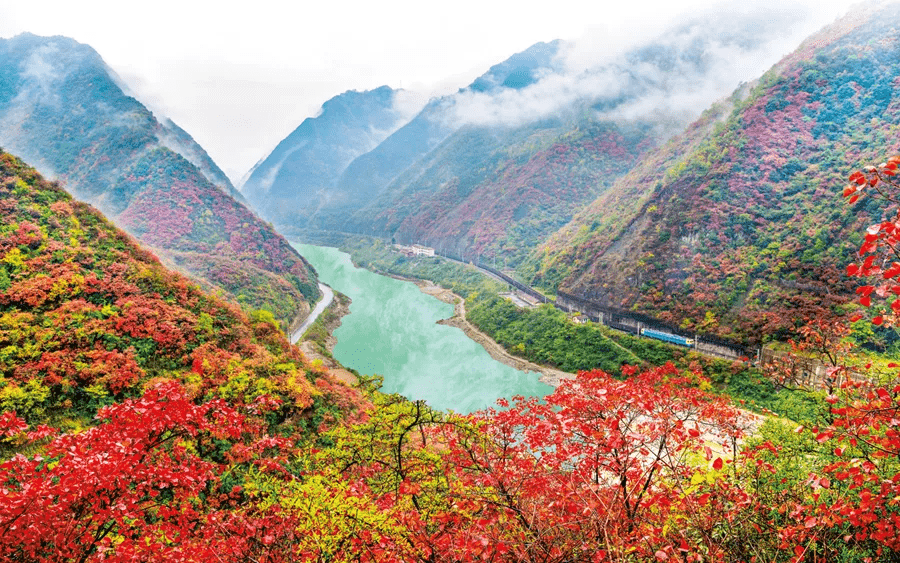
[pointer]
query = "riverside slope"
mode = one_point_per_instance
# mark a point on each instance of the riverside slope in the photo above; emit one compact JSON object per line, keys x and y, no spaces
{"x":64,"y":110}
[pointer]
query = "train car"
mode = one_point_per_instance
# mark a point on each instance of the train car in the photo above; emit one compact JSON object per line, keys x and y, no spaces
{"x":667,"y":337}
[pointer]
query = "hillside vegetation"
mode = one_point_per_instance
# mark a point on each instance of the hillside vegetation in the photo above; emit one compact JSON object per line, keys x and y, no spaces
{"x":741,"y":234}
{"x":63,"y":109}
{"x":87,"y":318}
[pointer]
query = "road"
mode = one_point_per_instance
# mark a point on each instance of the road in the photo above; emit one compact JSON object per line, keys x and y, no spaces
{"x":327,"y":298}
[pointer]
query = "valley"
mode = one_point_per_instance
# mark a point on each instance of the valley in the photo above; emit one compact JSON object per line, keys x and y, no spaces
{"x":394,"y":331}
{"x":627,"y":298}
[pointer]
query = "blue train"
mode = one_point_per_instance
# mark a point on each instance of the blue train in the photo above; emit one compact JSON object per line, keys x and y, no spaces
{"x":667,"y":337}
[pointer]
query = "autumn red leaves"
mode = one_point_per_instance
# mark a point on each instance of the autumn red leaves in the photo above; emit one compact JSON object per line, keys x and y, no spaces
{"x":225,"y":446}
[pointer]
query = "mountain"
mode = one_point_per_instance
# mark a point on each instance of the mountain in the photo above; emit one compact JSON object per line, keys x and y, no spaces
{"x":298,"y":179}
{"x":88,"y":317}
{"x":489,"y":193}
{"x":64,"y":110}
{"x":737,"y":226}
{"x":524,"y":160}
{"x":367,"y":174}
{"x":490,"y":172}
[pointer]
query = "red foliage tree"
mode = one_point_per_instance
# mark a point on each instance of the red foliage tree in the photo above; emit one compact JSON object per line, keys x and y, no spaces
{"x":127,"y":489}
{"x":601,"y":466}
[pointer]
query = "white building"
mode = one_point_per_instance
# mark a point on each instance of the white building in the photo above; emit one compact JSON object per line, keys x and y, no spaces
{"x":414,"y":250}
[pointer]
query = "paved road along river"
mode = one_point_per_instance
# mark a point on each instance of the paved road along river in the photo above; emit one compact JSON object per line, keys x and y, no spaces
{"x":327,"y":298}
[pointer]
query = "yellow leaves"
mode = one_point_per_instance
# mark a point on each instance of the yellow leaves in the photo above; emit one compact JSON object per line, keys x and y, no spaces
{"x":246,"y":381}
{"x":108,"y":311}
{"x":298,"y":388}
{"x":16,"y":259}
{"x":67,"y":287}
{"x":23,"y":398}
{"x":263,"y":316}
{"x":237,"y":384}
{"x":705,"y":476}
{"x":97,"y":391}
{"x":21,"y":188}
{"x":699,"y":477}
{"x":327,"y":512}
{"x":20,"y":338}
{"x":204,"y":325}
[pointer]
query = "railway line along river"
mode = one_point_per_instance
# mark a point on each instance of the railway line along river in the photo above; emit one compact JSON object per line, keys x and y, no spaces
{"x":392,"y":331}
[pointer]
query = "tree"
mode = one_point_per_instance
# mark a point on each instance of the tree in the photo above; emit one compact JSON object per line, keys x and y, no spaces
{"x":127,"y":489}
{"x":852,"y":509}
{"x":880,"y":252}
{"x":605,"y":469}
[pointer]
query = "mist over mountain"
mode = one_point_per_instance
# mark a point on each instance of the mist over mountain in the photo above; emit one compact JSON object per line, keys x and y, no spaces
{"x":493,"y":169}
{"x":738,"y":226}
{"x":312,"y":162}
{"x":64,"y":110}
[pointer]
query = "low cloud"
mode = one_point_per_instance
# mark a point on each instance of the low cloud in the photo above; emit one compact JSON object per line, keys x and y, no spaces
{"x":640,"y":71}
{"x":41,"y":74}
{"x":408,"y":103}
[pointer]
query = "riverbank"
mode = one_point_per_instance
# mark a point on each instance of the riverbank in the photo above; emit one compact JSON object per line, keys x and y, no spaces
{"x":321,"y":350}
{"x":548,"y":375}
{"x":327,"y":298}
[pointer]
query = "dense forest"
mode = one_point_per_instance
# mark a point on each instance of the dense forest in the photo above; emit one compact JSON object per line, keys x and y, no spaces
{"x":145,"y":420}
{"x":149,"y":416}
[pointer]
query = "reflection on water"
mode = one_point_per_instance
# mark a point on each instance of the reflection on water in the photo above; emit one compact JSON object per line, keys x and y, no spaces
{"x":391,"y":331}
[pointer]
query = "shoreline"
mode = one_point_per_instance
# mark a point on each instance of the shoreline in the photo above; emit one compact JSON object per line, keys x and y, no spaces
{"x":340,"y":307}
{"x":548,"y":375}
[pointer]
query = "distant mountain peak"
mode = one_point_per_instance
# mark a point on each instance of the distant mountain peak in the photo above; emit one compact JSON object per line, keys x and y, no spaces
{"x":295,"y":178}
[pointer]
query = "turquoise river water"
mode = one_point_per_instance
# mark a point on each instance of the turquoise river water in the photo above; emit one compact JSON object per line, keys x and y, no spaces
{"x":391,"y":331}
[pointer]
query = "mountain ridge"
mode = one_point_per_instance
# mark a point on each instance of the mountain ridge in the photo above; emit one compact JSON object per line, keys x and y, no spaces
{"x":62,"y":108}
{"x":746,"y":232}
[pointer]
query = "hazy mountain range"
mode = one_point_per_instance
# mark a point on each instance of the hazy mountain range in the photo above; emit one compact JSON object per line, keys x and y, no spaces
{"x":663,"y":178}
{"x":66,"y":112}
{"x":656,"y":180}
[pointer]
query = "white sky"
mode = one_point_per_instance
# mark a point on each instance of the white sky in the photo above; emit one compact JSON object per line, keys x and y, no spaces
{"x":239,"y":77}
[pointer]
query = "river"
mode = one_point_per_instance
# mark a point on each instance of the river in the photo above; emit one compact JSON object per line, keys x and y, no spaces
{"x":392,"y":331}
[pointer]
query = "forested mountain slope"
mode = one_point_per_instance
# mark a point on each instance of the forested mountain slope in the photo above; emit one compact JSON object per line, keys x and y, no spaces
{"x":366,"y":175}
{"x":744,"y":232}
{"x":87,"y":317}
{"x":62,"y":108}
{"x":490,"y":172}
{"x":297,"y":181}
{"x":489,"y":192}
